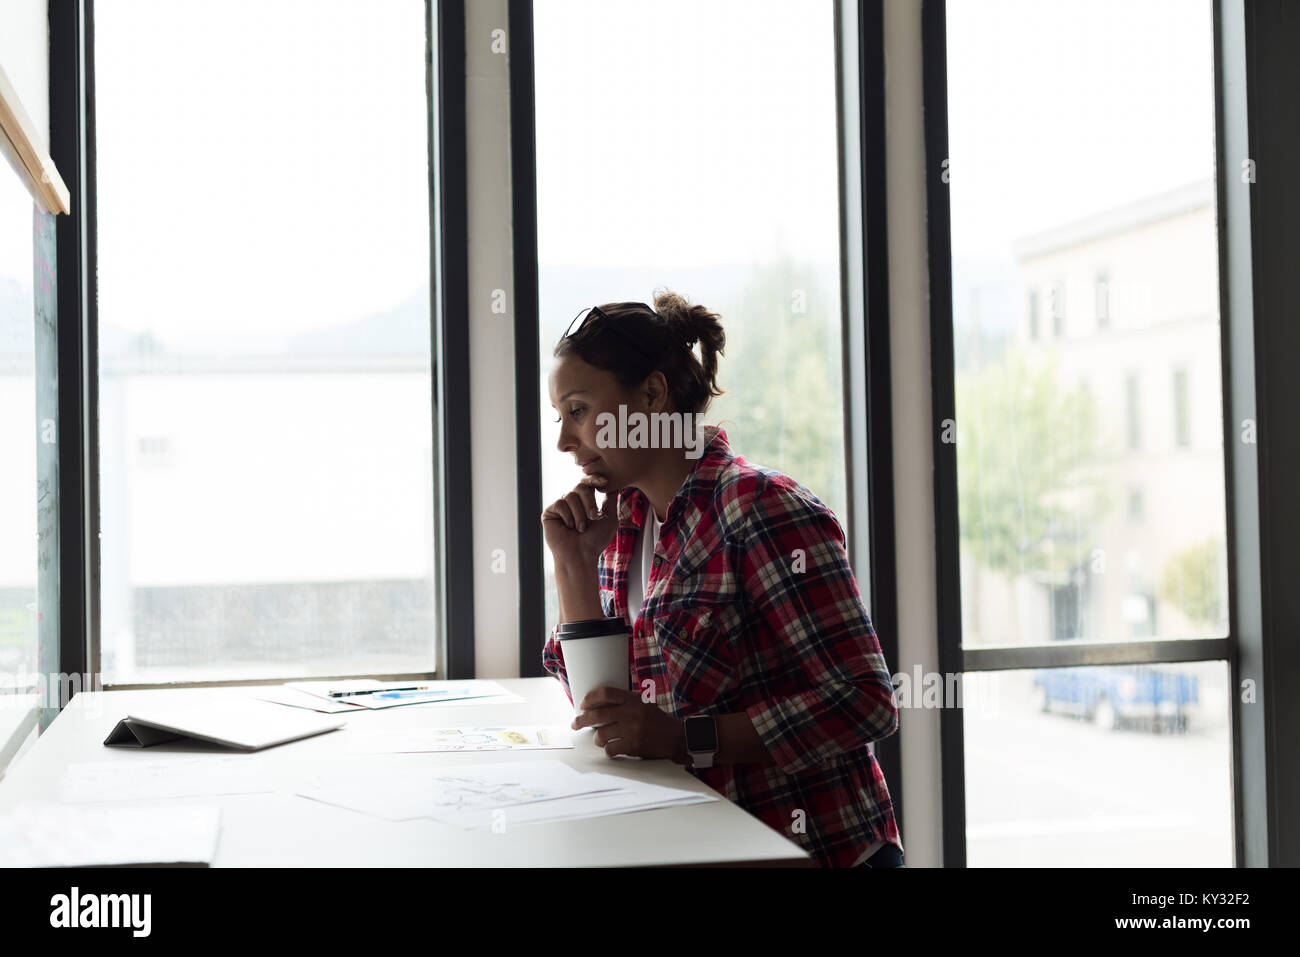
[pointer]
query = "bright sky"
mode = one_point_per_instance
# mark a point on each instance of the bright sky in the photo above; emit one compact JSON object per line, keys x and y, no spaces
{"x":1061,"y":109}
{"x":693,"y":101}
{"x":240,"y":183}
{"x":262,"y":163}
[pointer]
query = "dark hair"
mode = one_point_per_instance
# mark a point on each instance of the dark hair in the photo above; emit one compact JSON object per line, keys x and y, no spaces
{"x":661,"y":338}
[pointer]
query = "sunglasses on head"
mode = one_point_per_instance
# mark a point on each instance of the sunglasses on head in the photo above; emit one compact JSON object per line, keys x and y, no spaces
{"x":596,"y":314}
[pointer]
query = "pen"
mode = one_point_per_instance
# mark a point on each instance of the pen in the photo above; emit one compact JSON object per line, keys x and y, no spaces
{"x":345,"y":694}
{"x":410,"y":692}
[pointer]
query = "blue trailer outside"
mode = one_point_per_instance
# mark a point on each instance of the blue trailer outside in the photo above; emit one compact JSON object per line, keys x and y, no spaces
{"x":1162,"y":697}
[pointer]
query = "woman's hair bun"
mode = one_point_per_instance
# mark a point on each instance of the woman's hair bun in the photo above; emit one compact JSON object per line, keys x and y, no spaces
{"x":677,"y":313}
{"x":689,"y":323}
{"x":692,"y":324}
{"x":638,"y":340}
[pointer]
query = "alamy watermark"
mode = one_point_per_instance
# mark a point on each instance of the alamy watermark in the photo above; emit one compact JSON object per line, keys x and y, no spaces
{"x":657,"y":430}
{"x":52,"y":690}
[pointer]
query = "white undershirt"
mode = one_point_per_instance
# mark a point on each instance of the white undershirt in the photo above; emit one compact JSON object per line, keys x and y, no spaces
{"x":638,"y":569}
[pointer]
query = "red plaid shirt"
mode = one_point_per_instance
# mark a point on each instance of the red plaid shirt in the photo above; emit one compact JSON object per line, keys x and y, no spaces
{"x":751,"y":606}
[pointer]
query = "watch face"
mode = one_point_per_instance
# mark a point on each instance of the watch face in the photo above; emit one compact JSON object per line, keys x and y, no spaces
{"x":701,"y":734}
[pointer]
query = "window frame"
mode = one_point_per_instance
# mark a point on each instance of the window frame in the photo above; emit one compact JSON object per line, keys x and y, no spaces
{"x":72,"y":135}
{"x":1241,"y":86}
{"x":953,"y":655}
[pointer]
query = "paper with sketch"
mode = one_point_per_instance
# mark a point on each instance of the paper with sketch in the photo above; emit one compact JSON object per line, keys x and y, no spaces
{"x":408,"y":740}
{"x":56,"y":835}
{"x":181,"y":776}
{"x":399,"y":793}
{"x":620,"y":796}
{"x":481,"y":795}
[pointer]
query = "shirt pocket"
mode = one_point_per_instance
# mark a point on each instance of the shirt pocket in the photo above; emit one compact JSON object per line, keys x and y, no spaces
{"x":699,"y":656}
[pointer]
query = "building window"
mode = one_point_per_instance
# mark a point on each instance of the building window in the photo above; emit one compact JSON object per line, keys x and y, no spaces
{"x":1132,"y":411}
{"x":1182,"y":418}
{"x":1103,"y":300}
{"x":1135,"y":504}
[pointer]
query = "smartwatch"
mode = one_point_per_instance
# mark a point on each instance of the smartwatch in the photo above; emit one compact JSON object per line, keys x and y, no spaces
{"x":701,"y":739}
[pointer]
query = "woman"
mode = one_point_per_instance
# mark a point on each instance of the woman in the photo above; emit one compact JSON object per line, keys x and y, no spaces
{"x":736,"y":583}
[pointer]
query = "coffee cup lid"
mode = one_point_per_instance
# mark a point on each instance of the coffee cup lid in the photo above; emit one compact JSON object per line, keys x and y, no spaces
{"x":593,"y":628}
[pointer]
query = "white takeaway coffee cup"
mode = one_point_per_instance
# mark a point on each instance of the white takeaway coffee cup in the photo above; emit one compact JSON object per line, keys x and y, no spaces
{"x":596,"y":655}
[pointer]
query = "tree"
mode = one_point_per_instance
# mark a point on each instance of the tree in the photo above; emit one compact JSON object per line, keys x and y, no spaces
{"x":1027,"y":494}
{"x":783,"y":404}
{"x":1192,"y":581}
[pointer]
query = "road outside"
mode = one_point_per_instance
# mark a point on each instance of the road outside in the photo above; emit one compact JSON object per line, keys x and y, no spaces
{"x":1052,"y":790}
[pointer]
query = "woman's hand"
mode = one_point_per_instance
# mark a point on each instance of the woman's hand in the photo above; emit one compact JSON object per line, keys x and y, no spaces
{"x":631,"y":725}
{"x":575,"y":527}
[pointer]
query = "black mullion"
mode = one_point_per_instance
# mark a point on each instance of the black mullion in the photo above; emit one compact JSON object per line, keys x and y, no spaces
{"x":528,"y":433}
{"x":449,"y":239}
{"x":1256,"y":75}
{"x":943,"y":403}
{"x":72,"y":148}
{"x":880,"y":548}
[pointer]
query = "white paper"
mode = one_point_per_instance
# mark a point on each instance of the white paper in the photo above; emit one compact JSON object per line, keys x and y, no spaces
{"x":404,"y":794}
{"x":478,"y":796}
{"x":504,"y":738}
{"x":296,"y":698}
{"x":472,"y":691}
{"x":155,"y":778}
{"x":56,"y":835}
{"x":625,"y":797}
{"x":322,"y":689}
{"x":439,"y":692}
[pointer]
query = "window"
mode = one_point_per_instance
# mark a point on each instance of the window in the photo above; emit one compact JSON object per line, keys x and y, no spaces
{"x":1103,"y":300}
{"x":1135,"y":503}
{"x":1133,"y":411}
{"x":265,"y":395}
{"x":704,"y":160}
{"x":1182,"y":422}
{"x":1118,"y":766}
{"x":1058,"y":550}
{"x":1033,"y":314}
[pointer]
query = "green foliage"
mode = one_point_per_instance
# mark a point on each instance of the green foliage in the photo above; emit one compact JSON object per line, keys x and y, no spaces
{"x":16,"y":627}
{"x":1025,"y":445}
{"x":782,"y":374}
{"x":1190,"y":580}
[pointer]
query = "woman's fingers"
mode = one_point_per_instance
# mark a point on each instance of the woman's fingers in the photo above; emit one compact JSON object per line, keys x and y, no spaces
{"x":559,"y":511}
{"x":578,"y":509}
{"x":578,"y":506}
{"x":610,"y":507}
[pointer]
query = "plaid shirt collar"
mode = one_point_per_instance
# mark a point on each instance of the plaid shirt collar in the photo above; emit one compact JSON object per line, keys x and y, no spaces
{"x":696,"y":490}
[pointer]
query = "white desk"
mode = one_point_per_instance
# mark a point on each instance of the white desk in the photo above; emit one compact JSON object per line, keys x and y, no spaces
{"x":282,"y":829}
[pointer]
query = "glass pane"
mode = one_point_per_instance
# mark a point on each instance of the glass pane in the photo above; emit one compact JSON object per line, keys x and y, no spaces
{"x":691,"y":146}
{"x":18,"y":634}
{"x":1085,"y":319}
{"x":266,"y":438}
{"x":1123,"y":766}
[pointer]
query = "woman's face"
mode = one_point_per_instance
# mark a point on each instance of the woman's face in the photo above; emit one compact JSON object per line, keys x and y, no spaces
{"x":579,"y":394}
